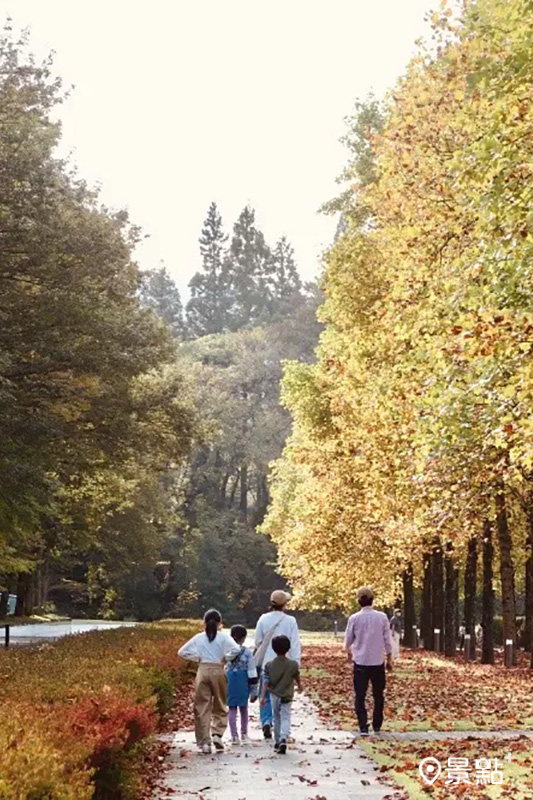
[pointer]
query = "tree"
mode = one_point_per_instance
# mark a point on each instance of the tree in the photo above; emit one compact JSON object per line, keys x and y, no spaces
{"x":207,"y":310}
{"x":77,"y":350}
{"x":416,"y":421}
{"x":249,"y":273}
{"x":160,"y":293}
{"x":285,"y":285}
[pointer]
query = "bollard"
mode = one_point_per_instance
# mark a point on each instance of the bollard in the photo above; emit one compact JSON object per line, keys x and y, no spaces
{"x":508,"y":652}
{"x":335,"y":628}
{"x":7,"y":636}
{"x":467,"y":647}
{"x":436,"y":640}
{"x":415,"y":636}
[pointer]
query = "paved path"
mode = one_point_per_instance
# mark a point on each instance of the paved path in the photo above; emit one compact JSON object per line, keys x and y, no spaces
{"x":422,"y":736}
{"x":320,"y":764}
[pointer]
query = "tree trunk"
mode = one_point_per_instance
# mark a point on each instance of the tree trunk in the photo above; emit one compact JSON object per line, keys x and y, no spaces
{"x":487,"y":618}
{"x":450,"y":611}
{"x":243,"y":504}
{"x":437,"y":591}
{"x":528,"y":632}
{"x":4,"y":600}
{"x":24,"y":606}
{"x":425,"y":607}
{"x":409,"y":619}
{"x":506,"y":571}
{"x":471,"y":591}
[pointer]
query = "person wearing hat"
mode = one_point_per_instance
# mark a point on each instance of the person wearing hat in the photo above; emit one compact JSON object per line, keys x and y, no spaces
{"x":368,"y":644}
{"x":274,"y":623}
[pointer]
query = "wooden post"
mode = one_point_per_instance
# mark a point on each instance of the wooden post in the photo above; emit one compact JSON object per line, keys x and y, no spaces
{"x":7,"y":635}
{"x":468,"y":647}
{"x":416,"y":643}
{"x":508,"y":652}
{"x":436,"y":640}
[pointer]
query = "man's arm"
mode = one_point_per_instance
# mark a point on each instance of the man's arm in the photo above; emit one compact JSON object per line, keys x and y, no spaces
{"x":387,"y":641}
{"x":349,"y":638}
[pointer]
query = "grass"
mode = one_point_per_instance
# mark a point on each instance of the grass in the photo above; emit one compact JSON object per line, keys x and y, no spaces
{"x":399,"y":762}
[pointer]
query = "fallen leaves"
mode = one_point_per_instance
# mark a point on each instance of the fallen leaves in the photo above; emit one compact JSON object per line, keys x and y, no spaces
{"x":424,"y":691}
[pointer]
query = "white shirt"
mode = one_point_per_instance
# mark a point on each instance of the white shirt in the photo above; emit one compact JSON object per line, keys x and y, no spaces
{"x":287,"y":627}
{"x":199,"y":648}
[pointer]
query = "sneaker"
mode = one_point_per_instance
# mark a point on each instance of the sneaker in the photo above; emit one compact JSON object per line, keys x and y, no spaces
{"x":206,"y":749}
{"x":245,"y":738}
{"x":282,"y":747}
{"x":276,"y":746}
{"x":217,"y":741}
{"x":267,"y":731}
{"x":235,"y":740}
{"x":364,"y":732}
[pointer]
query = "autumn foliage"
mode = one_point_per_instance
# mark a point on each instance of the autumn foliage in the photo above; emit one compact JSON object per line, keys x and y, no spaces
{"x":75,"y":714}
{"x":413,"y":434}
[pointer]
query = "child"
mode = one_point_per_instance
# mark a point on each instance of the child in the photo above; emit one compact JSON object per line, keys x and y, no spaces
{"x":211,"y":649}
{"x":241,"y":675}
{"x":280,"y":675}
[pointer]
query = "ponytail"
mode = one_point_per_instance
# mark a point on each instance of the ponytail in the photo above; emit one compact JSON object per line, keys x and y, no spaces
{"x":212,"y":619}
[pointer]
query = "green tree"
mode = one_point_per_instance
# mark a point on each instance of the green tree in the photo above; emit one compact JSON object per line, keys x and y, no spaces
{"x":250,"y":270}
{"x":160,"y":293}
{"x":77,"y":348}
{"x":285,"y":287}
{"x":207,"y":309}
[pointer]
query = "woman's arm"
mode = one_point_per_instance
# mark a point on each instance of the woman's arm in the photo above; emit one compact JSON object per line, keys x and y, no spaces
{"x":296,"y":647}
{"x":251,"y":668}
{"x":258,"y":638}
{"x":190,"y":650}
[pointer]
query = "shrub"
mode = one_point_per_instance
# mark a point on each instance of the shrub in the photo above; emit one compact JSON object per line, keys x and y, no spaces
{"x":95,"y":700}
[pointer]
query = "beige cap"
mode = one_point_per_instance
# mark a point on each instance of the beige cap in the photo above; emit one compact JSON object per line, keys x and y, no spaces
{"x":364,"y":591}
{"x":279,"y":597}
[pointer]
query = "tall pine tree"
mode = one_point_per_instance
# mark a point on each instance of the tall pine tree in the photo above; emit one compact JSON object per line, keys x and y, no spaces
{"x":285,"y":284}
{"x":208,"y":307}
{"x":249,"y":271}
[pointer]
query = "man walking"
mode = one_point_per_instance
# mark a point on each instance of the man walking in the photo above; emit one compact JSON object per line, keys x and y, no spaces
{"x":368,"y":640}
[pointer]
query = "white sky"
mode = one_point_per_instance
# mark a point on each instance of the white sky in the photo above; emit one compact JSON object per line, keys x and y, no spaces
{"x":181,"y":102}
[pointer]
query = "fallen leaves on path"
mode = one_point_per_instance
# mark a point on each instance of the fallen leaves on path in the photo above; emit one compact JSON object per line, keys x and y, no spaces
{"x":424,"y":690}
{"x":401,"y":760}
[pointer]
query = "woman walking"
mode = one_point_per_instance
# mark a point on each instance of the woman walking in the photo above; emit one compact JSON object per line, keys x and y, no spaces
{"x":211,"y":649}
{"x":274,"y":623}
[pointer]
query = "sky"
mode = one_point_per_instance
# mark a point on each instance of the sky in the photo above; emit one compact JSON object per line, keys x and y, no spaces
{"x":177,"y":103}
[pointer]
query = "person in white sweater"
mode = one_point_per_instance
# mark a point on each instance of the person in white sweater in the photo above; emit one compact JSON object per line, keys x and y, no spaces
{"x":211,"y":649}
{"x":274,"y":623}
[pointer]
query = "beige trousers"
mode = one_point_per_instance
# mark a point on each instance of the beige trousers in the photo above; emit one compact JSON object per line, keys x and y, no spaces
{"x":210,"y":713}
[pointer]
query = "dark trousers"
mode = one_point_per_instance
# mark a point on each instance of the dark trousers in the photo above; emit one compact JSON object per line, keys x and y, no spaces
{"x":361,"y":677}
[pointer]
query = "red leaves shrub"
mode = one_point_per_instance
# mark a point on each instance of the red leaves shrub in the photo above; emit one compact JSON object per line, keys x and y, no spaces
{"x":109,"y":723}
{"x":74,"y":715}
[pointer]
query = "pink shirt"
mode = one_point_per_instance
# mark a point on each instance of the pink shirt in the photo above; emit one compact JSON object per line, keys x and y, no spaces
{"x":368,"y":637}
